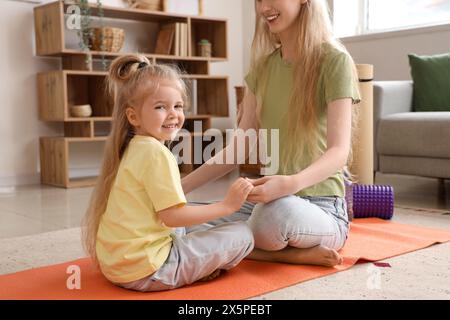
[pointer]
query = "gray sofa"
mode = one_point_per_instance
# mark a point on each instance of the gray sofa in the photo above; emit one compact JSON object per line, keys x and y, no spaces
{"x":406,"y":142}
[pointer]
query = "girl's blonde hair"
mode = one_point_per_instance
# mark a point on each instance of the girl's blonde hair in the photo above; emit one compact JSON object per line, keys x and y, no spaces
{"x":131,"y":79}
{"x":314,"y":30}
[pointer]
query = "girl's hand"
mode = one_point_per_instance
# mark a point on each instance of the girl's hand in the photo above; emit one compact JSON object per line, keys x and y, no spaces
{"x":237,"y":194}
{"x":270,"y":188}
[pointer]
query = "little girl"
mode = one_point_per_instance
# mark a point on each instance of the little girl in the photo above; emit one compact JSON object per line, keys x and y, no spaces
{"x":138,"y":200}
{"x":303,"y":83}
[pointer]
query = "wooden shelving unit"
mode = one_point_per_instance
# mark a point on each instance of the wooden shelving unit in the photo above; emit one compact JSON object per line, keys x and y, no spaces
{"x":79,"y":83}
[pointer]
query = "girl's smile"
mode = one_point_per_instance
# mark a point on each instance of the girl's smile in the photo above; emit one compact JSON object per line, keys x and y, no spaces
{"x":161,"y":116}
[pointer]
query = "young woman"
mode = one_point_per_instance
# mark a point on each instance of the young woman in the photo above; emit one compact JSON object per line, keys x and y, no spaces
{"x":303,"y":83}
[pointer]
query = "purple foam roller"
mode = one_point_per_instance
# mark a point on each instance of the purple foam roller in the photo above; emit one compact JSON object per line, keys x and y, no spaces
{"x":370,"y":201}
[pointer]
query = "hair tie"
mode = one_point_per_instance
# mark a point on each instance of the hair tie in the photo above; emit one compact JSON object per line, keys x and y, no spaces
{"x":142,"y":65}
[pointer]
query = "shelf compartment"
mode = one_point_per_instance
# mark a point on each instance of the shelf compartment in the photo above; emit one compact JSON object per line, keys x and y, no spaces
{"x":131,"y":14}
{"x":78,"y":129}
{"x":212,"y":96}
{"x":87,"y":129}
{"x":213,"y":30}
{"x":67,"y":88}
{"x":141,"y":28}
{"x":101,"y":128}
{"x":54,"y":158}
{"x":89,"y":89}
{"x":59,"y":90}
{"x":192,"y":67}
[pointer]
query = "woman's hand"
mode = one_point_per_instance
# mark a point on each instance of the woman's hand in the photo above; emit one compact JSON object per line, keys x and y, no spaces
{"x":237,"y":194}
{"x":270,"y":188}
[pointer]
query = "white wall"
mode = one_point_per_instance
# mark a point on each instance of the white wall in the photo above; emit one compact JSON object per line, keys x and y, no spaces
{"x":20,"y":127}
{"x":389,"y":52}
{"x":19,"y":124}
{"x":248,"y":31}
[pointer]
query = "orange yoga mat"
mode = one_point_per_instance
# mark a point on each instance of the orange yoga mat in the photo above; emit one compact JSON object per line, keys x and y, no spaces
{"x":369,"y":239}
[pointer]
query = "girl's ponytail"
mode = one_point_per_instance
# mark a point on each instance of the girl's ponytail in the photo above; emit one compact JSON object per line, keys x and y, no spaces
{"x":122,"y":70}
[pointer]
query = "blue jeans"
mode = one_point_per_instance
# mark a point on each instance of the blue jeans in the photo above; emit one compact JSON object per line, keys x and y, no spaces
{"x":196,"y":253}
{"x":301,"y":222}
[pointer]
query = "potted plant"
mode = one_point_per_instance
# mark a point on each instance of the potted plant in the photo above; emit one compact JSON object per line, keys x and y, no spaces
{"x":88,"y":36}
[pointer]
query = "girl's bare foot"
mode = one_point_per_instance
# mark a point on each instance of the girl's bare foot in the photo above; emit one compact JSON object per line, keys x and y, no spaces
{"x":318,"y":255}
{"x":212,"y":276}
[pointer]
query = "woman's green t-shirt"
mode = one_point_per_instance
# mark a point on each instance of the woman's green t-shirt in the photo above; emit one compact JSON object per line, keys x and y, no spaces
{"x":336,"y":81}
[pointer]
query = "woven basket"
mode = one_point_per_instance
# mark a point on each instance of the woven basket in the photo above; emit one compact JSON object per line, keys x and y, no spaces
{"x":107,"y":39}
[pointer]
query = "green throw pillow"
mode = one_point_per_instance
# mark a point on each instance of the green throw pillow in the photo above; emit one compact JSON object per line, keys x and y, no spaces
{"x":431,"y":77}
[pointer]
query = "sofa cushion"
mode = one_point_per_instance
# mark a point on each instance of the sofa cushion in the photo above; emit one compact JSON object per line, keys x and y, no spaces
{"x":418,"y":134}
{"x":431,"y":76}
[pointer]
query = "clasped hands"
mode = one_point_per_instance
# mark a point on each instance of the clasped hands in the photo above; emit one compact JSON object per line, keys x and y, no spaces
{"x":261,"y":190}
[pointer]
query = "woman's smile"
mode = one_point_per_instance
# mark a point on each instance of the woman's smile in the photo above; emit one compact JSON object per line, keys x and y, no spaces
{"x":271,"y":19}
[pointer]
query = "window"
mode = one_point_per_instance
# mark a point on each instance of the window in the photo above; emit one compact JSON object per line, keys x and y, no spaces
{"x":354,"y":17}
{"x":388,"y":14}
{"x":348,"y":17}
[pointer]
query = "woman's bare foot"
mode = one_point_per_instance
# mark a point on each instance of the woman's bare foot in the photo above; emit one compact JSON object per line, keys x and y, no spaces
{"x":212,"y":276}
{"x":321,"y":255}
{"x":318,"y":255}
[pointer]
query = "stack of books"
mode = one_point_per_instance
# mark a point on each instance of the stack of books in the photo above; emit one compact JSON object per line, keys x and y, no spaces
{"x":173,"y":39}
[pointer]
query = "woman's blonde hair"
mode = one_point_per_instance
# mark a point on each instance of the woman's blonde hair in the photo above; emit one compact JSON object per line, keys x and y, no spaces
{"x":131,"y":79}
{"x":314,"y":30}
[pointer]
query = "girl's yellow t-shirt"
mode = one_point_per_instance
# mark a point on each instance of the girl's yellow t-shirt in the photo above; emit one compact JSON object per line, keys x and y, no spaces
{"x":132,"y":241}
{"x":337,"y":80}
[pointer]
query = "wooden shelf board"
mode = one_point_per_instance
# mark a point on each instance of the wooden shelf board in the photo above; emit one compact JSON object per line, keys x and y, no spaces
{"x":85,"y":73}
{"x":76,"y":139}
{"x":187,"y":58}
{"x":93,"y":139}
{"x":141,"y":14}
{"x":95,"y":119}
{"x":104,"y":73}
{"x":132,"y":14}
{"x":198,"y":116}
{"x":206,"y":19}
{"x":113,"y":55}
{"x":204,"y":76}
